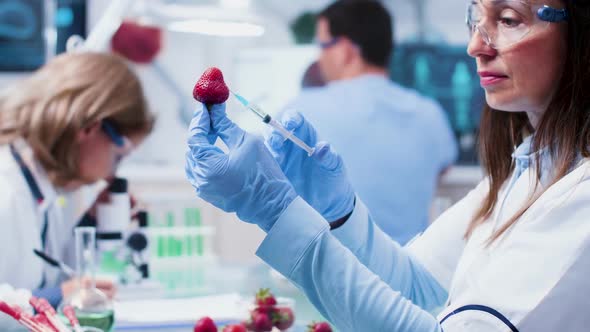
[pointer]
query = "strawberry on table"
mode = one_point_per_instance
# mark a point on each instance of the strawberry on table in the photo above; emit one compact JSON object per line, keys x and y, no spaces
{"x":283,"y":318}
{"x":235,"y":328}
{"x":319,"y":327}
{"x":261,"y":323}
{"x":264,"y":298}
{"x":205,"y":324}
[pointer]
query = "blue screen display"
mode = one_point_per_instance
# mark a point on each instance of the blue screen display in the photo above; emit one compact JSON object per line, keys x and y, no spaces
{"x":22,"y":42}
{"x":447,"y":74}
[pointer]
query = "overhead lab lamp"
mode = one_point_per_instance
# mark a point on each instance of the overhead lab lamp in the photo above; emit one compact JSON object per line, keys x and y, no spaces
{"x":217,"y":28}
{"x":230,"y":18}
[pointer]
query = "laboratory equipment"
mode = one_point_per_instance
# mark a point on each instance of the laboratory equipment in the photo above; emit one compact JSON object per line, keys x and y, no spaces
{"x":445,"y":73}
{"x":92,"y":307}
{"x":137,"y":244}
{"x":43,"y":307}
{"x":113,"y":220}
{"x":122,"y":244}
{"x":266,"y":118}
{"x":113,"y":216}
{"x":138,"y":42}
{"x":181,"y":255}
{"x":26,"y":34}
{"x":70,"y":314}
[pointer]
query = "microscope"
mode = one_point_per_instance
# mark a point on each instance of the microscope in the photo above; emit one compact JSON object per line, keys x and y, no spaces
{"x":122,"y":241}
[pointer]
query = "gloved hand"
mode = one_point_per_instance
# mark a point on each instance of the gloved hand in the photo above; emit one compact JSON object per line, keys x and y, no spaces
{"x":215,"y":108}
{"x":321,"y":179}
{"x":246,"y":180}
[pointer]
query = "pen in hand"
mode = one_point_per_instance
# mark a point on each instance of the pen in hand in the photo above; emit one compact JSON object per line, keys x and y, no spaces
{"x":54,"y":262}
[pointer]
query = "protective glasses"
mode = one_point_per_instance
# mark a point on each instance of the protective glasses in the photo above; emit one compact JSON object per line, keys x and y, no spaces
{"x":120,"y":141}
{"x":110,"y":130}
{"x":329,"y":43}
{"x":502,"y":23}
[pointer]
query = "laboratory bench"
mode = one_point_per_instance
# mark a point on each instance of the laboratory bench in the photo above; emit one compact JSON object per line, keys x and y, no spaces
{"x":235,"y":242}
{"x":244,"y":280}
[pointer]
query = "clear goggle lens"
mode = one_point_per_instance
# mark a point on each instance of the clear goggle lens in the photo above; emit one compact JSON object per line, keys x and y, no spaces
{"x":502,"y":23}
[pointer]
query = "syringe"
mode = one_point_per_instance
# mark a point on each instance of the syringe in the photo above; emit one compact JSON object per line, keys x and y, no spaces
{"x":266,"y":118}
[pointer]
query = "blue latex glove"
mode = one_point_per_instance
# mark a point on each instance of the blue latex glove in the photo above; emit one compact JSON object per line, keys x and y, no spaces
{"x":246,"y":180}
{"x":216,"y":108}
{"x":320,"y":179}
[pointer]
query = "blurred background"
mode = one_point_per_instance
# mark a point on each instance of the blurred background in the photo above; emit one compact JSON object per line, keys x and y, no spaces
{"x":263,"y":48}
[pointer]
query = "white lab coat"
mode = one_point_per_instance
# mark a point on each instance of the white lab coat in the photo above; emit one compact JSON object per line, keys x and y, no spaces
{"x":21,"y":219}
{"x":534,"y":277}
{"x":534,"y":274}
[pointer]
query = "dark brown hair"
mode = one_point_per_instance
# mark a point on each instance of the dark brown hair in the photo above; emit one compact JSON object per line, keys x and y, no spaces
{"x":367,"y":23}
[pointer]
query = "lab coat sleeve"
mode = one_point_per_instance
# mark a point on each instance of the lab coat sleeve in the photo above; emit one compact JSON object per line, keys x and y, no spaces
{"x":301,"y":247}
{"x":427,"y":263}
{"x":5,"y":234}
{"x":7,"y":323}
{"x":440,"y":247}
{"x":388,"y":260}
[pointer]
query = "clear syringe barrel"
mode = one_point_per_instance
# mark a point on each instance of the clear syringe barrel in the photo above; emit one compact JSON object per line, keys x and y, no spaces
{"x":269,"y":120}
{"x":258,"y":111}
{"x":289,"y":135}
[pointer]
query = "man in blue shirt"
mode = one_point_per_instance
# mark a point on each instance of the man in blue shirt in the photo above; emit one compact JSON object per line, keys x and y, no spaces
{"x":394,"y":163}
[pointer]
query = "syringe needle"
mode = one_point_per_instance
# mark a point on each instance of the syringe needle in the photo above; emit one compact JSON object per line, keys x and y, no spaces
{"x":275,"y":124}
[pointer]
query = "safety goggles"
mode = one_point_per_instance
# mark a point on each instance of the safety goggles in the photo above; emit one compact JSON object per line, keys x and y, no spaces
{"x":120,"y":141}
{"x":329,"y":43}
{"x":502,"y":23}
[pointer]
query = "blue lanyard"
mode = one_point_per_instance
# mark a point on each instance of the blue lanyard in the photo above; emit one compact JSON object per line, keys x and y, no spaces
{"x":37,"y":195}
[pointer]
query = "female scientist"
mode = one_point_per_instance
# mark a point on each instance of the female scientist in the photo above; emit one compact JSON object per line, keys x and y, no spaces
{"x":65,"y":127}
{"x":513,"y":255}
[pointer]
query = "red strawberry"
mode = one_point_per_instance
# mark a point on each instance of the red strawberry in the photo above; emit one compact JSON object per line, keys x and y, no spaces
{"x":205,"y":324}
{"x":264,"y":298}
{"x":235,"y":328}
{"x":248,"y":324}
{"x":283,"y":318}
{"x":267,"y":310}
{"x":320,"y":327}
{"x":137,"y":42}
{"x":210,"y":88}
{"x":270,"y":301}
{"x":261,"y":323}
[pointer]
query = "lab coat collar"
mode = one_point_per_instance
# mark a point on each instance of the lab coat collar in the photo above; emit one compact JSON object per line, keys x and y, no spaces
{"x":523,"y":159}
{"x":524,"y":149}
{"x":39,"y":174}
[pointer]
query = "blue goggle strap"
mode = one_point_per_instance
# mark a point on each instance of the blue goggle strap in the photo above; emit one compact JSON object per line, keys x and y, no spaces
{"x":113,"y":134}
{"x":549,"y":14}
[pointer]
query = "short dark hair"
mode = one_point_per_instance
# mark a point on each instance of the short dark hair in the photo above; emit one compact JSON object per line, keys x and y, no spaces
{"x":367,"y":23}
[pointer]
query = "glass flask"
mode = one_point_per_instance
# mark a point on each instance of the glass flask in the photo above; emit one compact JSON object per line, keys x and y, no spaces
{"x":93,"y":308}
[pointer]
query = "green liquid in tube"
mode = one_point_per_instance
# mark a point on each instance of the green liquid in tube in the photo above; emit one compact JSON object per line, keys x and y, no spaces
{"x":103,"y":320}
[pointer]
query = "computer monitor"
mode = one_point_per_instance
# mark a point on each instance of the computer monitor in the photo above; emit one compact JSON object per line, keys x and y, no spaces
{"x":22,"y":39}
{"x":449,"y":75}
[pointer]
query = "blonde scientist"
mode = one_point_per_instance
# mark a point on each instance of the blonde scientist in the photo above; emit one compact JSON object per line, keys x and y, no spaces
{"x":62,"y":129}
{"x":513,"y":255}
